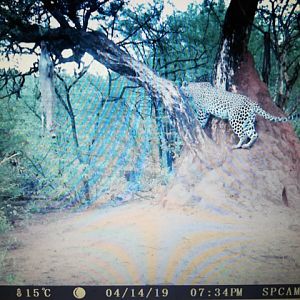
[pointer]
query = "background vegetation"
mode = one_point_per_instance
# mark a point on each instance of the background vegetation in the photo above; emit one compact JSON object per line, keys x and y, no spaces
{"x":112,"y":143}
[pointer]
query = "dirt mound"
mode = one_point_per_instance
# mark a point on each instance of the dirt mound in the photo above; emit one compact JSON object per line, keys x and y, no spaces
{"x":257,"y":178}
{"x":266,"y":174}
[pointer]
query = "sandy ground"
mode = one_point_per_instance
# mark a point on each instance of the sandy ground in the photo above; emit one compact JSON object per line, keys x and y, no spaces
{"x":157,"y":243}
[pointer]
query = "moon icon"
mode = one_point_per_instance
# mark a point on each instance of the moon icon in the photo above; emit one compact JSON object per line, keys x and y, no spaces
{"x":79,"y":293}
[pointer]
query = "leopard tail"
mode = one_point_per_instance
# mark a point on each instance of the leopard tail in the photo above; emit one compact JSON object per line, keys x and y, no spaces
{"x":272,"y":118}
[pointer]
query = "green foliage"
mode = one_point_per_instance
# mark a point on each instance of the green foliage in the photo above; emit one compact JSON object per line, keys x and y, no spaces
{"x":3,"y":253}
{"x":168,"y":45}
{"x":4,"y":227}
{"x":4,"y":224}
{"x":189,"y":54}
{"x":280,"y":22}
{"x":11,"y":144}
{"x":104,"y":128}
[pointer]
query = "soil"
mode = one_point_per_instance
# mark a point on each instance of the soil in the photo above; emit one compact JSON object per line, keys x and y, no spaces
{"x":158,"y":243}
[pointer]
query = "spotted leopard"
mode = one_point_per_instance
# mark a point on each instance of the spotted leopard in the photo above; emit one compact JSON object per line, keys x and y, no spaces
{"x":239,"y":110}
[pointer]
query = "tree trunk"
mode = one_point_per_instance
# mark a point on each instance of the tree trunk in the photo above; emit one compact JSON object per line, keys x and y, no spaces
{"x":284,"y":88}
{"x":165,"y":136}
{"x":235,"y":36}
{"x":266,"y":70}
{"x":86,"y":190}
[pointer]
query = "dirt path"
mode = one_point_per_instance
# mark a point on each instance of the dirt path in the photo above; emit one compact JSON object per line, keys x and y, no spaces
{"x":147,"y":243}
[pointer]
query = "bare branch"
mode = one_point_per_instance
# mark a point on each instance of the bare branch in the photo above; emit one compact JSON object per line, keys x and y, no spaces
{"x":9,"y":158}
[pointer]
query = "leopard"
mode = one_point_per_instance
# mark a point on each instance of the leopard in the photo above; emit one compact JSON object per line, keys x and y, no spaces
{"x":239,"y":110}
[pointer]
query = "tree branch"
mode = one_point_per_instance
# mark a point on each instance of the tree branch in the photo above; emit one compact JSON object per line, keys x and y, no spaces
{"x":113,"y":57}
{"x":56,"y":13}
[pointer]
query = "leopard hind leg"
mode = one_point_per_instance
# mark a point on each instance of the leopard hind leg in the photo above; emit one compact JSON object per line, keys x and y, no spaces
{"x":238,"y":129}
{"x":242,"y":122}
{"x":251,"y":133}
{"x":241,"y":142}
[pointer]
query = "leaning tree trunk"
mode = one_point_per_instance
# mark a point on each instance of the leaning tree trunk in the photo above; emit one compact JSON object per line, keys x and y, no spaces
{"x":235,"y":36}
{"x":114,"y":58}
{"x":161,"y":90}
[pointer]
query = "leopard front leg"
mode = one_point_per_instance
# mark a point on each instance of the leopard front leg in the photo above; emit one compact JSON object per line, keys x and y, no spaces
{"x":202,"y":117}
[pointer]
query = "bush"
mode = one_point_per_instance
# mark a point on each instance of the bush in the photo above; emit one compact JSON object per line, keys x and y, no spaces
{"x":4,"y":225}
